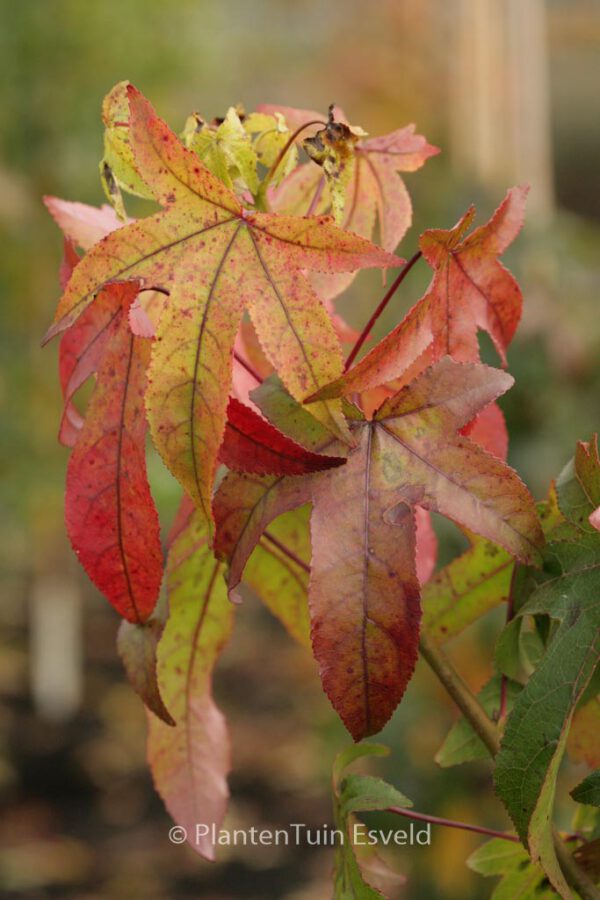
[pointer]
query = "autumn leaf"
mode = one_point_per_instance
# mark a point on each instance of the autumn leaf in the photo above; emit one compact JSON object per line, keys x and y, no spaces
{"x":270,"y":136}
{"x":407,"y":455}
{"x":333,"y":149}
{"x":118,"y":167}
{"x":470,"y":291}
{"x":190,"y":761}
{"x":137,"y":644}
{"x":245,"y":504}
{"x":363,"y":528}
{"x":373,"y":192}
{"x":226,"y":149}
{"x":81,"y":350}
{"x":251,"y":444}
{"x":376,"y":189}
{"x":216,"y":258}
{"x":84,"y":225}
{"x":536,"y":731}
{"x":110,"y":516}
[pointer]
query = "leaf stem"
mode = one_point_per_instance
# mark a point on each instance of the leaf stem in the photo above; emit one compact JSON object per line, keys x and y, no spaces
{"x":268,"y":177}
{"x":286,"y":551}
{"x":316,"y":196}
{"x":384,"y":302}
{"x":461,"y":693}
{"x":487,"y":731}
{"x":246,"y":365}
{"x":452,"y":823}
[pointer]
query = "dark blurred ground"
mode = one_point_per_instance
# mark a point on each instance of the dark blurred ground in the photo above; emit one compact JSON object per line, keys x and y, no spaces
{"x":80,"y":818}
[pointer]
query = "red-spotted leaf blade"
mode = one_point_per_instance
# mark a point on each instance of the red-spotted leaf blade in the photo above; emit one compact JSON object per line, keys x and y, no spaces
{"x":110,"y":515}
{"x":251,"y":444}
{"x":216,"y":259}
{"x":190,"y":762}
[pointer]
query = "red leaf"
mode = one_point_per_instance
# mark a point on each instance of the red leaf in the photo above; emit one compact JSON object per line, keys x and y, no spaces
{"x":251,"y":444}
{"x":84,"y":225}
{"x":190,"y":762}
{"x":81,"y":350}
{"x":488,"y":430}
{"x":110,"y":515}
{"x":426,"y":545}
{"x":470,"y":290}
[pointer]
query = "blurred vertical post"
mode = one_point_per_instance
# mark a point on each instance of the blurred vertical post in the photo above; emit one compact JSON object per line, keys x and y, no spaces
{"x":501,"y":97}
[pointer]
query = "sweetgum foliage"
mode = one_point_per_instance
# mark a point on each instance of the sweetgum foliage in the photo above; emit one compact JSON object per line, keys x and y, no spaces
{"x":209,"y":327}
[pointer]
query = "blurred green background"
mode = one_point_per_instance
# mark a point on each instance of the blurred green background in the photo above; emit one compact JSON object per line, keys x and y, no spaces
{"x":510,"y":93}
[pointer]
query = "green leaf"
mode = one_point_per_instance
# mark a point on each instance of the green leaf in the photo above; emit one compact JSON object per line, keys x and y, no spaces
{"x":589,"y":790}
{"x":365,"y":792}
{"x":466,"y":589}
{"x":462,"y":744}
{"x":522,"y":880}
{"x":279,"y":580}
{"x":360,"y":874}
{"x":536,"y":730}
{"x":270,"y":135}
{"x":226,"y":150}
{"x":352,"y":753}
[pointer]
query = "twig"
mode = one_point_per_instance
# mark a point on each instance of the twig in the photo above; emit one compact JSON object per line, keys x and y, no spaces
{"x":452,"y":823}
{"x":246,"y":365}
{"x":386,"y":299}
{"x":268,"y":177}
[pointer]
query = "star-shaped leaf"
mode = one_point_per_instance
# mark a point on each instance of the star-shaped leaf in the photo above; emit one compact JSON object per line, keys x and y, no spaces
{"x":470,"y":291}
{"x":369,"y":188}
{"x":216,"y":258}
{"x":363,"y":528}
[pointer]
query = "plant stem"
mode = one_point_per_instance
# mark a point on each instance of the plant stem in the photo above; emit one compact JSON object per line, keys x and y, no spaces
{"x":268,"y":177}
{"x":510,"y":611}
{"x":461,"y":693}
{"x":246,"y":365}
{"x":452,"y":823}
{"x":485,"y":728}
{"x":384,"y":302}
{"x":316,"y":197}
{"x":286,"y":550}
